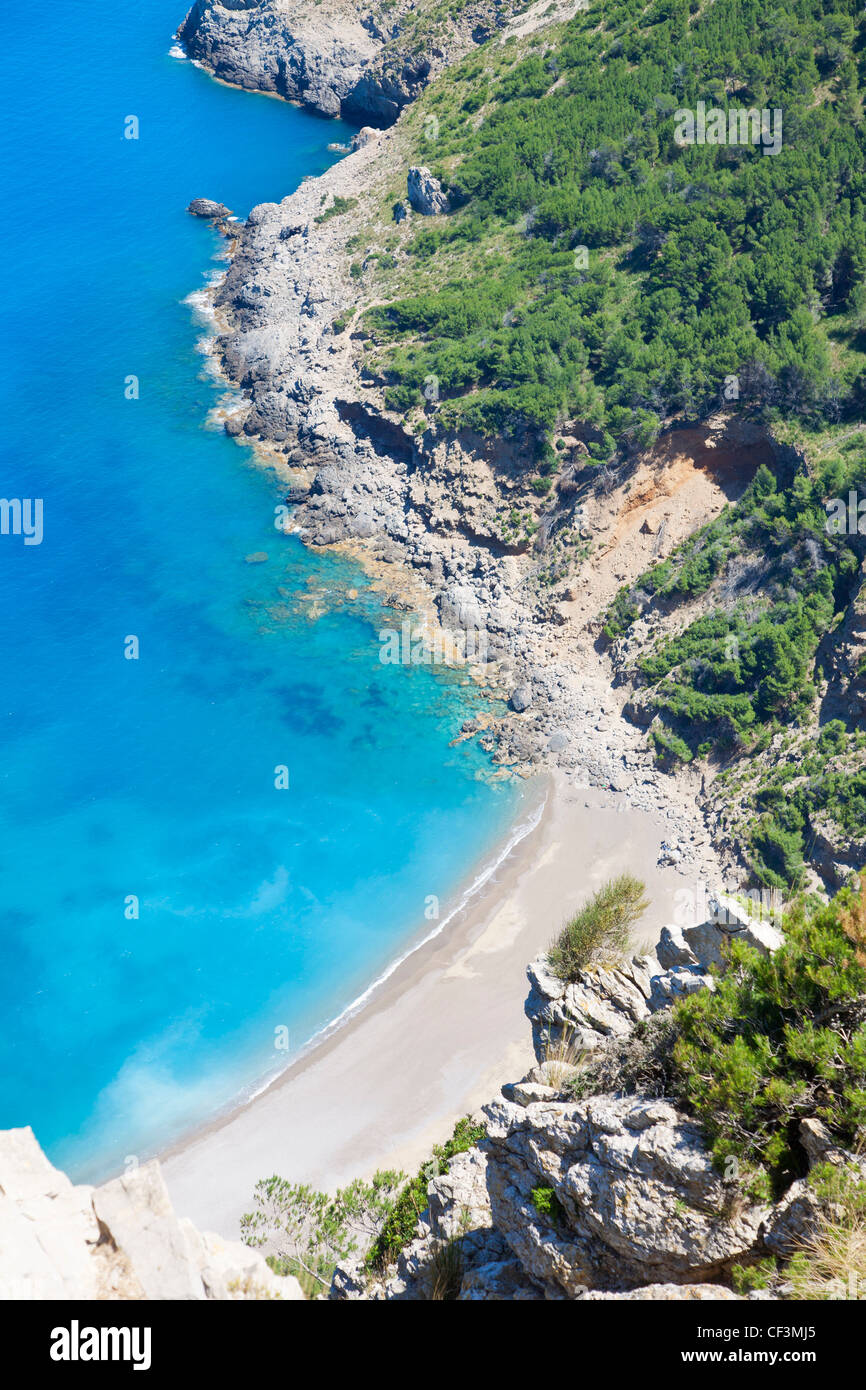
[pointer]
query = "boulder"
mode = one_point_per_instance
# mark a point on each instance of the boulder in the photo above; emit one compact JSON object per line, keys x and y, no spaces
{"x":673,"y":950}
{"x":206,"y":207}
{"x":118,"y":1241}
{"x":459,"y":608}
{"x":426,"y":193}
{"x":729,"y":921}
{"x":521,"y":698}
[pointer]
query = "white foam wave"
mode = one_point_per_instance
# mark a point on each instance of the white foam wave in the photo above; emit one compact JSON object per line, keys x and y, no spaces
{"x":519,"y":833}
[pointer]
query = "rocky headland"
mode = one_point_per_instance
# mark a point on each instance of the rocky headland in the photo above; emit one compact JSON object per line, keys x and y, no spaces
{"x":364,"y":63}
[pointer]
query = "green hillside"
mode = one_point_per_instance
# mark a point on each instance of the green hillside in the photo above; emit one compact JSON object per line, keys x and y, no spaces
{"x":703,"y":262}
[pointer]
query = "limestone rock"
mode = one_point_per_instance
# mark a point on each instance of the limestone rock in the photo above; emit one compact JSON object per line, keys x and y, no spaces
{"x":640,"y":1200}
{"x":673,"y":949}
{"x":698,"y":1293}
{"x":206,"y":207}
{"x":118,"y":1241}
{"x":521,"y":698}
{"x":136,"y":1212}
{"x":459,"y":608}
{"x":330,"y":56}
{"x":604,"y":1001}
{"x":498,"y":1281}
{"x":729,"y":921}
{"x":426,"y":193}
{"x":792,"y":1219}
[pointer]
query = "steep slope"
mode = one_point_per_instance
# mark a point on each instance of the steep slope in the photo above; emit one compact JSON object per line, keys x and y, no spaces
{"x":365,"y":64}
{"x":531,"y":339}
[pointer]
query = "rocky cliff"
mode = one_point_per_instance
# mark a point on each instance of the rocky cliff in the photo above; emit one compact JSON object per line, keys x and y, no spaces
{"x":118,"y":1241}
{"x":590,"y":1183}
{"x":335,"y":57}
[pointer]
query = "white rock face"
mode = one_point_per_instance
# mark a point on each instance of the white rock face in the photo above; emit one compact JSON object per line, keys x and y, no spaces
{"x":118,"y":1241}
{"x":604,"y":1001}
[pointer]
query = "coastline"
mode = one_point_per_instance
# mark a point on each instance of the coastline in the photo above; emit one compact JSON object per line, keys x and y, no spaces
{"x":443,"y":1029}
{"x":437,"y":1036}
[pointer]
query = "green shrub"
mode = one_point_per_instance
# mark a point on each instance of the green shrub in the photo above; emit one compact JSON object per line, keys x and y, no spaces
{"x":745,"y":1278}
{"x":780,"y":1039}
{"x":546,"y":1203}
{"x":313,"y":1231}
{"x":602,"y":926}
{"x":669,"y":747}
{"x":399,"y":1226}
{"x":337,"y":208}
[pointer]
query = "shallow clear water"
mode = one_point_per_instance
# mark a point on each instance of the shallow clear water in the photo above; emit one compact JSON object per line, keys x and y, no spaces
{"x":260,"y":909}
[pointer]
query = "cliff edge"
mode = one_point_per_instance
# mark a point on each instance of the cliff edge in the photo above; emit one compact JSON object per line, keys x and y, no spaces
{"x":118,"y":1241}
{"x":335,"y":58}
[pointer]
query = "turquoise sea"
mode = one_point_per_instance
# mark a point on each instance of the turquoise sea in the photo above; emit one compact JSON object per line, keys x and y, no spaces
{"x":262,"y":913}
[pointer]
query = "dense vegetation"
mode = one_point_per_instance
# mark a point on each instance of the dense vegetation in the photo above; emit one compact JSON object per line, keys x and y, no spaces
{"x":781,"y":1038}
{"x":596,"y":270}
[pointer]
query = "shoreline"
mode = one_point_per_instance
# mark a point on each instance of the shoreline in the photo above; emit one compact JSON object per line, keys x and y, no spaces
{"x":450,"y":1009}
{"x":468,"y":894}
{"x":437,"y":1036}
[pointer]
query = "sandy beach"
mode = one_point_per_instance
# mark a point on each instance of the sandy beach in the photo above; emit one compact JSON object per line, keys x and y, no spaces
{"x":440,"y":1036}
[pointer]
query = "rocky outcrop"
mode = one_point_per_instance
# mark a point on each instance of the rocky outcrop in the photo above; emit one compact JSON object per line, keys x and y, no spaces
{"x":610,"y":1195}
{"x":206,"y":207}
{"x":311,"y":54}
{"x":604,"y":1002}
{"x":335,"y":57}
{"x":118,"y":1241}
{"x":636,"y":1199}
{"x":426,"y":193}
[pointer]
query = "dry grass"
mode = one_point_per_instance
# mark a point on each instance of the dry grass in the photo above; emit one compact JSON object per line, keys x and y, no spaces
{"x":447,"y":1264}
{"x":832,"y":1260}
{"x":853,"y":921}
{"x":561,"y":1055}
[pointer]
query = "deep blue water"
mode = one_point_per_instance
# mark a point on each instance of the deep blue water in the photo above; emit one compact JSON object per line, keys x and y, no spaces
{"x":259,"y":908}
